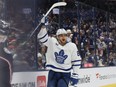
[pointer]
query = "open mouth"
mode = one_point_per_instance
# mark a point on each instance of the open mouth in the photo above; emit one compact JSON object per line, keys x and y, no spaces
{"x":63,"y":40}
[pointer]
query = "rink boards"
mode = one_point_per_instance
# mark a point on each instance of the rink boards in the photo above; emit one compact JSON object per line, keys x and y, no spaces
{"x":92,"y":77}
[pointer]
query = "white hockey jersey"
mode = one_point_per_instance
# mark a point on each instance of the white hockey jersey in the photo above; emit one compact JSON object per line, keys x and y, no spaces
{"x":60,"y":58}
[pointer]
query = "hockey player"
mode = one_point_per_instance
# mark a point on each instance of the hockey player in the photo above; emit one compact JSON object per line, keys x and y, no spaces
{"x":5,"y":64}
{"x":61,"y":58}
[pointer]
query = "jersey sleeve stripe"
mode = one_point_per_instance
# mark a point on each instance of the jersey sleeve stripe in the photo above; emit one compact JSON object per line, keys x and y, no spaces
{"x":76,"y":61}
{"x":43,"y":36}
{"x":44,"y":41}
{"x":76,"y":65}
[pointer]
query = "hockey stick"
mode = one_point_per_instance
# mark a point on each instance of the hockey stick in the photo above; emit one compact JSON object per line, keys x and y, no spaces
{"x":53,"y":6}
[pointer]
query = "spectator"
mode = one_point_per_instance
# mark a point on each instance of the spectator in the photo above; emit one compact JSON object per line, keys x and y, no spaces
{"x":69,"y":35}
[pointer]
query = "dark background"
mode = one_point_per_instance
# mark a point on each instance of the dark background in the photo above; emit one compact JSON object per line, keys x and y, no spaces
{"x":107,"y":5}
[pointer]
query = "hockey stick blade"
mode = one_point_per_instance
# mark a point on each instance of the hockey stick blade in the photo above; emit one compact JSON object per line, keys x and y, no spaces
{"x":55,"y":5}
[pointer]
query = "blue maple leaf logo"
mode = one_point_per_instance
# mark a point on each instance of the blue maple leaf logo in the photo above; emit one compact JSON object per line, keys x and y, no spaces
{"x":60,"y":57}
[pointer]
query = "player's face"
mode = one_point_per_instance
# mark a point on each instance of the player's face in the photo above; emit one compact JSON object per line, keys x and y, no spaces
{"x":62,"y":39}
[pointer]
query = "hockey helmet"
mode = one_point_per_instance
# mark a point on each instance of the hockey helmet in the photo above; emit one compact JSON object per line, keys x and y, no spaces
{"x":69,"y":31}
{"x":61,"y":31}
